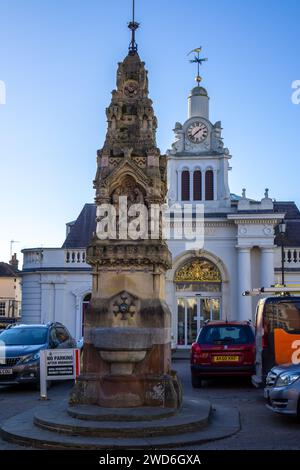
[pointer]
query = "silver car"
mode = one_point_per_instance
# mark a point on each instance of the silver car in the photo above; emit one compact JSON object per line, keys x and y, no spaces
{"x":282,"y":390}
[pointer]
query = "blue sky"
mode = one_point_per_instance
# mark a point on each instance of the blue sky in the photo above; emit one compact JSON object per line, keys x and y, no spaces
{"x":58,"y":61}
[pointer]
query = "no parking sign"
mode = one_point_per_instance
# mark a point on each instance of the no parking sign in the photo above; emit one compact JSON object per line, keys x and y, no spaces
{"x":58,"y":364}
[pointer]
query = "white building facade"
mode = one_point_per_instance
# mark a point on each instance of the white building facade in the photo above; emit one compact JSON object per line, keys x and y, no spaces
{"x":240,"y":250}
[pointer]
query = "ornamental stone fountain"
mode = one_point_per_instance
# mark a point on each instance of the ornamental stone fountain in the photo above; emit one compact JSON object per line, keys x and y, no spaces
{"x":127,"y":330}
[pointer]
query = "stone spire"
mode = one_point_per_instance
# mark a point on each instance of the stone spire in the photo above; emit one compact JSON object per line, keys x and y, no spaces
{"x":130,"y":116}
{"x":130,"y":143}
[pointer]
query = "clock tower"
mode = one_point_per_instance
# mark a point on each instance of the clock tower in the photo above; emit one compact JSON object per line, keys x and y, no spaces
{"x":198,"y":163}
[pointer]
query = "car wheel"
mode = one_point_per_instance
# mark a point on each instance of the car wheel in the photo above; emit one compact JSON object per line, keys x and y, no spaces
{"x":196,"y":381}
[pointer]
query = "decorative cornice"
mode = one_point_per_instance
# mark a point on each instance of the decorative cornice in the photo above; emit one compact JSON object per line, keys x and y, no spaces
{"x":256,"y":219}
{"x":174,"y":223}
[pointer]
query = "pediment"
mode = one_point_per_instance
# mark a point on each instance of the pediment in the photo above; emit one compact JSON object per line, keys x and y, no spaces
{"x":127,"y":168}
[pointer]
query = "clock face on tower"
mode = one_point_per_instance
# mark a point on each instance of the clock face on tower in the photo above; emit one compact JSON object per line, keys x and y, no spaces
{"x":197,"y":132}
{"x":131,"y":88}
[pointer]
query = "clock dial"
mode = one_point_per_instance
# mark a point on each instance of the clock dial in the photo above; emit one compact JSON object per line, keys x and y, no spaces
{"x":197,"y":132}
{"x":131,"y":89}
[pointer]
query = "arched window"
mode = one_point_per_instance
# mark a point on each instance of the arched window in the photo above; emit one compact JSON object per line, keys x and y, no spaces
{"x":209,"y":185}
{"x":198,"y":274}
{"x":185,"y":185}
{"x":197,"y":186}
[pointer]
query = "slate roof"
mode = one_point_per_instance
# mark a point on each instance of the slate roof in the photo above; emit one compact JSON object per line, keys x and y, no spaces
{"x":292,"y":218}
{"x":6,"y":270}
{"x":290,"y":209}
{"x":81,"y":232}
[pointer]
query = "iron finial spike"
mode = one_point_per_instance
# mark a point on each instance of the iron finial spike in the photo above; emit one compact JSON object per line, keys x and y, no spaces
{"x":133,"y":26}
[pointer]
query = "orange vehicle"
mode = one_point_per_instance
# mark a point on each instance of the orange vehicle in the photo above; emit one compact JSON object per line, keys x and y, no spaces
{"x":277,"y":330}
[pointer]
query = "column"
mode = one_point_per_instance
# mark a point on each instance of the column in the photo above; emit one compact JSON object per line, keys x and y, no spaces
{"x":244,"y":283}
{"x":203,"y":184}
{"x":171,"y":301}
{"x":60,"y":313}
{"x":191,"y":185}
{"x":215,"y":183}
{"x":47,"y":301}
{"x":178,"y":185}
{"x":267,"y":266}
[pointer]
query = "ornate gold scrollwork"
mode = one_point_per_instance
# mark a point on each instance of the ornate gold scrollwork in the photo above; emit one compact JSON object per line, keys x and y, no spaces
{"x":198,"y":270}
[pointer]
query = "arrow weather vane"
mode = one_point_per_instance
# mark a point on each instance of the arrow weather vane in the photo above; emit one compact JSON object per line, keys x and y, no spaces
{"x":197,"y":60}
{"x":133,"y":26}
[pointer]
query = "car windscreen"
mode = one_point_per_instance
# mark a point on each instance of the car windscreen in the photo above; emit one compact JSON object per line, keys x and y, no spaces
{"x":24,"y":336}
{"x":284,"y":314}
{"x":231,"y":334}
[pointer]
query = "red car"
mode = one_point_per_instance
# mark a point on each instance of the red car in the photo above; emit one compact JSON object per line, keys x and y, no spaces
{"x":223,"y":348}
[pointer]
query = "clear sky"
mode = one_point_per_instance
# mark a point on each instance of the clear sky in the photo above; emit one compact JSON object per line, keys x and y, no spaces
{"x":58,"y":61}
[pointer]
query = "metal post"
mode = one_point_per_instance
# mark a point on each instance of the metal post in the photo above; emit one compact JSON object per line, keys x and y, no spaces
{"x":282,"y":260}
{"x":282,"y":230}
{"x":43,"y":381}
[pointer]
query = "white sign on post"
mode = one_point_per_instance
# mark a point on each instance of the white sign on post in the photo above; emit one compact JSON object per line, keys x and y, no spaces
{"x":58,"y":364}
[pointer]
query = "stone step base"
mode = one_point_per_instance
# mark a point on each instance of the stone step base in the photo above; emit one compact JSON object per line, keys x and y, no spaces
{"x":97,"y":413}
{"x":188,"y":419}
{"x":20,"y":429}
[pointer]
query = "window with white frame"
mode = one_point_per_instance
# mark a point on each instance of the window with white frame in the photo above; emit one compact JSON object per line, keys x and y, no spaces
{"x":2,"y":309}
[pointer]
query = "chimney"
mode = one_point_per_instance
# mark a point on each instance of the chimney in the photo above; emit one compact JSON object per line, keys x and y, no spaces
{"x":14,"y":262}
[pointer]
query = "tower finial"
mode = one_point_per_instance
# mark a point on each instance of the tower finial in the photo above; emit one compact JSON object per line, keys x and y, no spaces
{"x":197,"y":61}
{"x":133,"y":26}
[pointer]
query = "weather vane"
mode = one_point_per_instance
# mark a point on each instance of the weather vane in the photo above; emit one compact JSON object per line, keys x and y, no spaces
{"x":197,"y":60}
{"x":133,"y":26}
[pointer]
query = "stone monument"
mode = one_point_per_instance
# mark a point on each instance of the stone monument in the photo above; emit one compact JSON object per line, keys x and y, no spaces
{"x":127,"y":329}
{"x":126,"y":396}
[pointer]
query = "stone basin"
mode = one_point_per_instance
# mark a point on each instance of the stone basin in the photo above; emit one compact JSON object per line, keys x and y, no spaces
{"x":122,"y":348}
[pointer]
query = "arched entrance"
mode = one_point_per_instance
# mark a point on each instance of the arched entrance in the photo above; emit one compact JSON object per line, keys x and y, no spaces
{"x":199,"y":297}
{"x":85,"y":303}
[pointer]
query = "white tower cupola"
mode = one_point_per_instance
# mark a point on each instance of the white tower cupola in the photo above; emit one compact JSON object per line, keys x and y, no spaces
{"x":198,"y":103}
{"x":198,"y":163}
